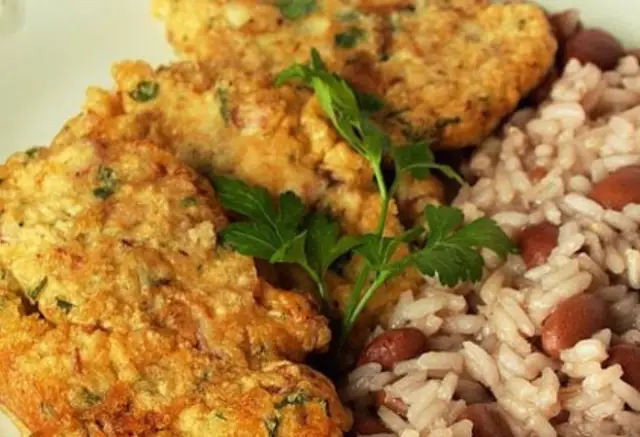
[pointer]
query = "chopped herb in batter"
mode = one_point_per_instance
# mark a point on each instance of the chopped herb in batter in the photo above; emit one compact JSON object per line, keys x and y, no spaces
{"x":223,"y":98}
{"x":186,"y":202}
{"x":90,"y":399}
{"x":218,"y":415}
{"x":347,"y":16}
{"x":295,"y":9}
{"x":107,"y":179}
{"x":272,"y":425}
{"x":33,"y":152}
{"x":297,"y":398}
{"x":47,"y":410}
{"x":145,"y":91}
{"x":35,"y":291}
{"x":160,"y":282}
{"x":206,"y":375}
{"x":64,"y":305}
{"x":349,"y":38}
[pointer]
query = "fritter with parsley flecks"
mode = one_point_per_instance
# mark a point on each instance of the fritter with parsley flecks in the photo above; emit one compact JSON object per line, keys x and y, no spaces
{"x":121,"y":315}
{"x":461,"y":64}
{"x":225,"y":122}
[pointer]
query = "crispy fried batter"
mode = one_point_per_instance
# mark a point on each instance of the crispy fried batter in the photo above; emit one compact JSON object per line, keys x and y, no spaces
{"x":231,"y":123}
{"x":433,"y":62}
{"x":120,"y":315}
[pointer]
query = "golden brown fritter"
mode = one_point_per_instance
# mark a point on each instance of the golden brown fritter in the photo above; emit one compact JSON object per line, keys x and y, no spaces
{"x":120,"y":315}
{"x":432,"y":61}
{"x":231,"y":123}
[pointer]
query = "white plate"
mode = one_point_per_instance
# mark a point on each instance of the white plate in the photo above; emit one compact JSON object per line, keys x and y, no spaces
{"x":51,"y":50}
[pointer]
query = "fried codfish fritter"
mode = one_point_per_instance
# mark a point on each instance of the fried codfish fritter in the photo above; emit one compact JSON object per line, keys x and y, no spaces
{"x":120,"y":315}
{"x":227,"y":122}
{"x":434,"y":62}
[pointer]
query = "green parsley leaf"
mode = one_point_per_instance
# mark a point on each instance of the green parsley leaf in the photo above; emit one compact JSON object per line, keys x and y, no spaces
{"x":145,"y":91}
{"x":450,"y":264}
{"x":295,"y":71}
{"x":316,"y":61}
{"x":414,"y":158}
{"x":349,"y":38}
{"x":377,"y":251}
{"x":441,"y":221}
{"x":290,"y":210}
{"x":485,"y":233}
{"x":256,"y":239}
{"x":368,"y":102}
{"x":417,"y":159}
{"x":291,"y":251}
{"x":324,"y":245}
{"x":252,"y":202}
{"x":451,"y":252}
{"x":295,"y":9}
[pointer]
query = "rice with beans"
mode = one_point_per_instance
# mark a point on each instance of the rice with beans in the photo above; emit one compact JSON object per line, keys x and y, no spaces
{"x":549,"y":342}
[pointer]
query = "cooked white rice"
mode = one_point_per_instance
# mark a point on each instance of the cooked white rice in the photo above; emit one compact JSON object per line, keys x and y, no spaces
{"x":589,"y":127}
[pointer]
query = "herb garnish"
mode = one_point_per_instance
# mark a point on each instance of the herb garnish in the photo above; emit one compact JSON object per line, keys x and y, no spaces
{"x":33,"y":152}
{"x":90,"y":398}
{"x":349,"y":38}
{"x":188,"y":201}
{"x":107,"y":179}
{"x":295,"y":9}
{"x":272,"y":425}
{"x":296,"y":398}
{"x":223,"y":98}
{"x":145,"y":91}
{"x":47,"y":410}
{"x":219,"y":415}
{"x":282,"y":231}
{"x":64,"y":305}
{"x":35,"y":291}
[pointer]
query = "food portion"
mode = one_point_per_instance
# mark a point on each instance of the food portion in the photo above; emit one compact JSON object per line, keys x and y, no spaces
{"x":188,"y":240}
{"x":224,"y":122}
{"x":122,"y":314}
{"x":548,"y":343}
{"x":457,"y":65}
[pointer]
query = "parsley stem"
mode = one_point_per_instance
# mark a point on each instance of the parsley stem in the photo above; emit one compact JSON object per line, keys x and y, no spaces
{"x":321,"y":291}
{"x":384,"y":199}
{"x":380,"y":279}
{"x":357,"y":301}
{"x":355,"y":294}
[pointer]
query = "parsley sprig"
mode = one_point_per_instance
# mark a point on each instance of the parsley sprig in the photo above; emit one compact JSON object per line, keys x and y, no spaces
{"x":283,"y":231}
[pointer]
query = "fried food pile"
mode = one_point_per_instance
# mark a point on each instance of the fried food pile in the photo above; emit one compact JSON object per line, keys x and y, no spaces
{"x":120,"y":312}
{"x":121,"y":315}
{"x":433,"y":62}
